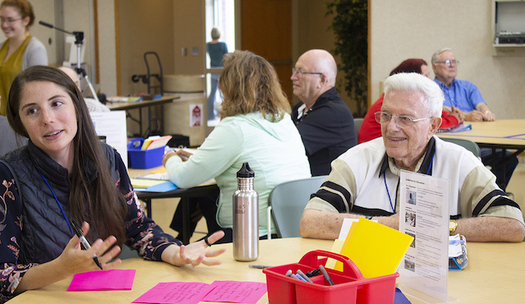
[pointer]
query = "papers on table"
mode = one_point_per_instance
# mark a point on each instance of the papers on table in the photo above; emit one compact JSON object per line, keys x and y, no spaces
{"x":375,"y":249}
{"x":154,"y":142}
{"x":156,"y":181}
{"x":114,"y":279}
{"x":170,"y":292}
{"x":162,"y":176}
{"x":124,"y":99}
{"x":195,"y":292}
{"x":459,"y":128}
{"x":162,"y":187}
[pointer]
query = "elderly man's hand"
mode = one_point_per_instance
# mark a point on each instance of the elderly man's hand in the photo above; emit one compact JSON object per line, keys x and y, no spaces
{"x":460,"y":116}
{"x":474,"y":115}
{"x":390,"y":221}
{"x":489,"y":116}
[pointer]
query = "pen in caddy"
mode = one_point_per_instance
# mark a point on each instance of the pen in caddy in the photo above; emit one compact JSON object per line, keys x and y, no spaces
{"x":85,"y":243}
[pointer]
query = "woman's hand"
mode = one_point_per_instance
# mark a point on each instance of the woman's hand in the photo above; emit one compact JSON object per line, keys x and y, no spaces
{"x":75,"y":260}
{"x":184,"y":155}
{"x":194,"y":253}
{"x":72,"y":260}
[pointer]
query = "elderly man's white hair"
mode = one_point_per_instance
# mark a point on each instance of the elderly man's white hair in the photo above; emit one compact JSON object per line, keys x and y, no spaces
{"x":435,"y":56}
{"x":417,"y":82}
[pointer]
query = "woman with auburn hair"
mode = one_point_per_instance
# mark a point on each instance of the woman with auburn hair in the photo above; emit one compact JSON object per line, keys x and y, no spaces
{"x":256,"y":128}
{"x":371,"y":129}
{"x":21,"y":50}
{"x":65,"y":175}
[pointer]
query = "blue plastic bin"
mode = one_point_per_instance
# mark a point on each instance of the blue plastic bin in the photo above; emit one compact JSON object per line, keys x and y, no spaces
{"x":144,"y":159}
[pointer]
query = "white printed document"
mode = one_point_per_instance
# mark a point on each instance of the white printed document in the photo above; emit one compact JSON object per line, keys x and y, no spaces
{"x":424,"y":214}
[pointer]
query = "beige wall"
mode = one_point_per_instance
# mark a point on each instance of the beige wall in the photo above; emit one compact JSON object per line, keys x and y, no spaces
{"x":107,"y":47}
{"x":413,"y":28}
{"x":144,"y":26}
{"x":311,"y":32}
{"x":400,"y":29}
{"x":188,"y":30}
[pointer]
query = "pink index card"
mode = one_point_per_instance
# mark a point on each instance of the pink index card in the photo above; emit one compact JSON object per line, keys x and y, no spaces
{"x":236,"y":292}
{"x":114,"y":279}
{"x":175,"y":292}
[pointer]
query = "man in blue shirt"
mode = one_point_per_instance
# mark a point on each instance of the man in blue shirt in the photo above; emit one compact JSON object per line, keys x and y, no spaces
{"x":461,"y":94}
{"x":465,"y":96}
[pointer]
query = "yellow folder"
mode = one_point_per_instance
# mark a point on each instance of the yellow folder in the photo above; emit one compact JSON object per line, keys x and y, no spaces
{"x":376,"y":249}
{"x":142,"y":183}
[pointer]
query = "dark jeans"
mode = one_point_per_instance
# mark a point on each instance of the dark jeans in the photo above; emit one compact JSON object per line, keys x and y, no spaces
{"x":199,"y":207}
{"x":510,"y":165}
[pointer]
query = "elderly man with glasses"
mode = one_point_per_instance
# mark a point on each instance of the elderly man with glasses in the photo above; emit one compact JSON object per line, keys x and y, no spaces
{"x":364,"y":180}
{"x":323,"y":119}
{"x":462,"y":94}
{"x":465,"y":96}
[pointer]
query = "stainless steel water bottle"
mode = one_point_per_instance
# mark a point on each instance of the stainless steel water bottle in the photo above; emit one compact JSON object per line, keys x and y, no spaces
{"x":245,"y":217}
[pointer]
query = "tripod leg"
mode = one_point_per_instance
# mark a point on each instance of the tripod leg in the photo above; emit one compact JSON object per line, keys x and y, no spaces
{"x":92,"y":89}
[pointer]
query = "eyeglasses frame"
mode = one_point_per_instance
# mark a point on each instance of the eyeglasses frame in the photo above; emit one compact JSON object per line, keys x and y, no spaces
{"x":448,"y":62}
{"x":301,"y":73}
{"x":412,"y":120}
{"x":9,"y":21}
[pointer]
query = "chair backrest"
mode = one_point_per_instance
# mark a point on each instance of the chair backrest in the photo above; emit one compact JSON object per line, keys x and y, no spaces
{"x":357,"y":125}
{"x":287,"y":201}
{"x":127,"y":253}
{"x":465,"y":143}
{"x":10,"y":140}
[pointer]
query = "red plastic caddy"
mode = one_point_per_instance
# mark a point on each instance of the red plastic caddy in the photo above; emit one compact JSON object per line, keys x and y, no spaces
{"x":349,"y":285}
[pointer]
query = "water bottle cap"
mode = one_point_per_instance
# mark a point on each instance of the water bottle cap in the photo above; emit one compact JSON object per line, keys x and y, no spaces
{"x":245,"y":172}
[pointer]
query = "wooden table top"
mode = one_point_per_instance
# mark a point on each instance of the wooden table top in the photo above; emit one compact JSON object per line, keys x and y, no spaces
{"x":506,"y":132}
{"x":495,"y":274}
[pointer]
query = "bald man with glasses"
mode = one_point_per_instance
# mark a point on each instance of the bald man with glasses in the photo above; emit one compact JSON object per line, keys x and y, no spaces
{"x":364,"y":180}
{"x":323,"y":119}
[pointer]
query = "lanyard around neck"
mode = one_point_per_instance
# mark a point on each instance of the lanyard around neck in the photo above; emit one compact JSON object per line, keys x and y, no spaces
{"x":386,"y":186}
{"x":58,"y":203}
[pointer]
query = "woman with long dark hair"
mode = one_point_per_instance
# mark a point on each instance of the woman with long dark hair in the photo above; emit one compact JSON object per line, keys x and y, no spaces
{"x":66,"y":174}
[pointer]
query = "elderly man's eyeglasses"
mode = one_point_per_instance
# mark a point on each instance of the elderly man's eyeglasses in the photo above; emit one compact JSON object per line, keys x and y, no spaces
{"x":301,"y":73}
{"x":401,"y":121}
{"x":449,"y":62}
{"x":8,"y":20}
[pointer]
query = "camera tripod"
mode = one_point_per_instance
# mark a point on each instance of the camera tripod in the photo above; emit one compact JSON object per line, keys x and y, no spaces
{"x":79,"y":38}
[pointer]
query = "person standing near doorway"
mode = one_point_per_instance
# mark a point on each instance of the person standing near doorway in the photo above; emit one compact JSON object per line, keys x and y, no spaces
{"x":216,"y":49}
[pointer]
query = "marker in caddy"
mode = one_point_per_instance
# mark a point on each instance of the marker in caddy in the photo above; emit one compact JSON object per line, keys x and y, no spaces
{"x":85,"y":243}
